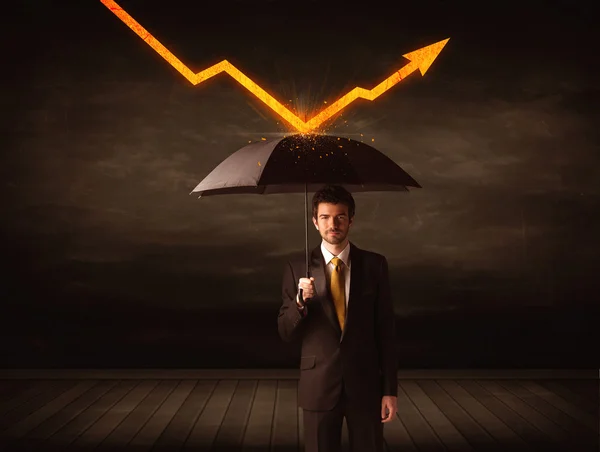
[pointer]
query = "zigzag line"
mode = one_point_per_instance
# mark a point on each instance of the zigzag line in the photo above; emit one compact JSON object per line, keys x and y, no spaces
{"x":419,"y":59}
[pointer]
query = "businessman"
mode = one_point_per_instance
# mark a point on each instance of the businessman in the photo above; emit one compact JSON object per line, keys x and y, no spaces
{"x":345,"y":322}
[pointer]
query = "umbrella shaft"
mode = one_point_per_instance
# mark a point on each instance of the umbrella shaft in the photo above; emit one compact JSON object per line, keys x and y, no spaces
{"x":306,"y":226}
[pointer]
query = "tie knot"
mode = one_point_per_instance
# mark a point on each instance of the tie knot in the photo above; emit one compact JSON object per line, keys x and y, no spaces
{"x":337,"y":262}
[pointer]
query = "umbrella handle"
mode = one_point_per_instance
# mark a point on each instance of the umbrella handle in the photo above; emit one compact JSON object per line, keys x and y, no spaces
{"x":300,"y":292}
{"x":301,"y":298}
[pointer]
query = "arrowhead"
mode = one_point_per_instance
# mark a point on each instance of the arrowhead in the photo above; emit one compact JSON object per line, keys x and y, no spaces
{"x":426,"y":55}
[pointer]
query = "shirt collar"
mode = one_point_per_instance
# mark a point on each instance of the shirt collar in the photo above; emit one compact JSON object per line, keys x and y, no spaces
{"x":344,"y":255}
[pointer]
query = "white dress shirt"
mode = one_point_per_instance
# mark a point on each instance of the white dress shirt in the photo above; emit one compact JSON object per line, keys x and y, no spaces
{"x":344,"y":256}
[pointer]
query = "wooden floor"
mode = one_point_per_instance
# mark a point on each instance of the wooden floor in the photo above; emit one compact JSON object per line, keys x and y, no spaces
{"x":260,"y":414}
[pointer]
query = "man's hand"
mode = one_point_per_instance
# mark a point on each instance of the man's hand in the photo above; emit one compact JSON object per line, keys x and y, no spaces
{"x":389,"y":406}
{"x":308,"y":288}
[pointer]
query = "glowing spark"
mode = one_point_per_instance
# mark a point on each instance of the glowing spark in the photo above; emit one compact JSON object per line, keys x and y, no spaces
{"x":420,"y":59}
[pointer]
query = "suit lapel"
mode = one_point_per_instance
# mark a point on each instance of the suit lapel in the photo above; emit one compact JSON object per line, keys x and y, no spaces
{"x":317,"y":267}
{"x":355,"y":283}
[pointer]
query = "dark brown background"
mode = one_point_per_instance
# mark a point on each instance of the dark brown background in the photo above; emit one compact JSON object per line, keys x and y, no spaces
{"x":109,"y":262}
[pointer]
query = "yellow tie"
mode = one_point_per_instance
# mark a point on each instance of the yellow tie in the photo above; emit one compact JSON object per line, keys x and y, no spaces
{"x":338,"y":290}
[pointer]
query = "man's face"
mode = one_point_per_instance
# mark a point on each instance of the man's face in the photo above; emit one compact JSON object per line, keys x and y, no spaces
{"x":333,"y":222}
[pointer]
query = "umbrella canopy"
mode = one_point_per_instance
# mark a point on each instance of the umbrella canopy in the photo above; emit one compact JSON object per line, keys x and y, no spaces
{"x":305,"y":162}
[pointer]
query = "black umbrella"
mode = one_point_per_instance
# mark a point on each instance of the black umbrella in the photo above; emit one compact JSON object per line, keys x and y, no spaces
{"x":305,"y":162}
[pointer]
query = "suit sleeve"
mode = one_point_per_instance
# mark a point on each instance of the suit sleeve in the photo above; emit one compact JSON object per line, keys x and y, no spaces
{"x":386,"y":333}
{"x":290,"y":317}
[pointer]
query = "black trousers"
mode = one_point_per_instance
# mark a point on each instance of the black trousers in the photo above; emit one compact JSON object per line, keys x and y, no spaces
{"x":323,"y":429}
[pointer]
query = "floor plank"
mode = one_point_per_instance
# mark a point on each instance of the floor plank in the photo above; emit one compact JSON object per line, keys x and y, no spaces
{"x":175,"y":434}
{"x":446,"y":431}
{"x":285,"y":419}
{"x":26,"y":405}
{"x":109,"y":420}
{"x":345,"y":437}
{"x":61,"y":418}
{"x":76,"y":427}
{"x":231,"y":432}
{"x":582,"y":427}
{"x":585,"y":388}
{"x":21,"y":428}
{"x":245,"y":414}
{"x":397,"y":438}
{"x":260,"y":423}
{"x":483,"y":415}
{"x":145,"y":438}
{"x":551,"y":433}
{"x":518,"y":424}
{"x":208,"y":423}
{"x":418,"y":428}
{"x":587,"y":402}
{"x":301,"y":429}
{"x":558,"y":410}
{"x":32,"y":390}
{"x":135,"y":420}
{"x":474,"y":433}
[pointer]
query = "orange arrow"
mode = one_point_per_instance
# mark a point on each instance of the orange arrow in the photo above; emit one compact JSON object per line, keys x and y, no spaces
{"x":420,"y":59}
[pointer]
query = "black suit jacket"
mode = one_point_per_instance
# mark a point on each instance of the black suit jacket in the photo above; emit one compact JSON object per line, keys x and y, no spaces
{"x":363,"y":358}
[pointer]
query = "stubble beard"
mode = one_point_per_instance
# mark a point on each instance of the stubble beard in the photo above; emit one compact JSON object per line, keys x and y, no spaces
{"x":334,"y":240}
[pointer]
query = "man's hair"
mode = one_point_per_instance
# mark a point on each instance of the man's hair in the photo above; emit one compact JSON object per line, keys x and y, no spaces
{"x":333,"y":194}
